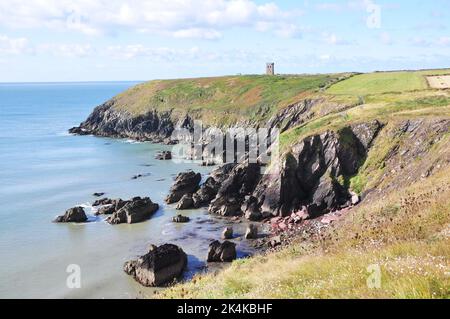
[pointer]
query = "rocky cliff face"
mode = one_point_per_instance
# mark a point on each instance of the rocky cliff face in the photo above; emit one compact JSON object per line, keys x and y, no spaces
{"x":106,"y":120}
{"x":311,"y":177}
{"x":157,"y":126}
{"x":314,"y":173}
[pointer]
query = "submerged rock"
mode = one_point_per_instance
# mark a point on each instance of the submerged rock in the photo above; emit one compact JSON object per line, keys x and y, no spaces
{"x":221,"y":252}
{"x":160,"y":266}
{"x":181,"y":219}
{"x":98,"y":194}
{"x":73,"y":215}
{"x":134,"y":211}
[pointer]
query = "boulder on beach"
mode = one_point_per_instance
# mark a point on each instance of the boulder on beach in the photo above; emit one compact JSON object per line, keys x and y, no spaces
{"x":134,"y":211}
{"x":185,"y":183}
{"x":180,"y":219}
{"x":159,"y":267}
{"x":73,"y":215}
{"x":251,"y":232}
{"x":221,"y":252}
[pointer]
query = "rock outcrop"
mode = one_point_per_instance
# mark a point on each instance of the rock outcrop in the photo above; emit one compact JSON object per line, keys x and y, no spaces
{"x":164,"y":156}
{"x":221,"y":252}
{"x":73,"y":215}
{"x":312,"y":176}
{"x":109,"y":120}
{"x":159,"y":267}
{"x":240,"y":182}
{"x":185,"y":183}
{"x":186,"y":202}
{"x":133,"y":211}
{"x":208,"y":190}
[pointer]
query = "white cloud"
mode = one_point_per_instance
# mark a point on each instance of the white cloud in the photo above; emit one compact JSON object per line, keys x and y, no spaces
{"x":66,"y":50}
{"x":13,"y":46}
{"x":333,"y":39}
{"x":156,"y":54}
{"x":210,"y":34}
{"x":179,"y":18}
{"x":444,"y":41}
{"x":386,"y":38}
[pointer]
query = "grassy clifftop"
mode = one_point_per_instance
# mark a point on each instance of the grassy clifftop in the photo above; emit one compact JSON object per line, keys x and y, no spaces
{"x":225,"y":99}
{"x":402,"y":228}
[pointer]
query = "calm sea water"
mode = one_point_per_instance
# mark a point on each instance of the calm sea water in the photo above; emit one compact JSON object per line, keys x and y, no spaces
{"x":44,"y":171}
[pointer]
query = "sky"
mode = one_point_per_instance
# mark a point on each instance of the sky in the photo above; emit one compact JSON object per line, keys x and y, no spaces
{"x":136,"y":40}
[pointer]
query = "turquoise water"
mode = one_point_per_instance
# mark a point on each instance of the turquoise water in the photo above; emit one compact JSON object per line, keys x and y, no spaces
{"x":44,"y":171}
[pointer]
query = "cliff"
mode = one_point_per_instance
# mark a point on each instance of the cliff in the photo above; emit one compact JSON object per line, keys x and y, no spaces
{"x":364,"y":177}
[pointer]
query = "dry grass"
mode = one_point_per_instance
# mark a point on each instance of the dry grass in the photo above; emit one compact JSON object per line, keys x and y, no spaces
{"x":407,"y":236}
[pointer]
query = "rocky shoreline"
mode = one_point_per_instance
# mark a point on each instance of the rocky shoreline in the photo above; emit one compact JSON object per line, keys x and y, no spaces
{"x":310,"y":184}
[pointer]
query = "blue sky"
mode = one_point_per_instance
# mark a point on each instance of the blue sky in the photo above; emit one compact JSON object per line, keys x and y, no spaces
{"x":98,"y":40}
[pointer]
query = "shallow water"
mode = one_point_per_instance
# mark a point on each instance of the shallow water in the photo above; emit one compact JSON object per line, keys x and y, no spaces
{"x":45,"y":171}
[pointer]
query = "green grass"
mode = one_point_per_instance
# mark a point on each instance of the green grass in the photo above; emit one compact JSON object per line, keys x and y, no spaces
{"x":384,"y":82}
{"x":382,"y":107}
{"x":223,"y":100}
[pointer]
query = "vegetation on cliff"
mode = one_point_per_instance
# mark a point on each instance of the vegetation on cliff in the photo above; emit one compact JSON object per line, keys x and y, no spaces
{"x":402,"y":225}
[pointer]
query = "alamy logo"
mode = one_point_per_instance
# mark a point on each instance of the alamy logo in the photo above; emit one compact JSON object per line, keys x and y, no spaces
{"x":234,"y":145}
{"x":374,"y":19}
{"x":73,"y":281}
{"x":374,"y":279}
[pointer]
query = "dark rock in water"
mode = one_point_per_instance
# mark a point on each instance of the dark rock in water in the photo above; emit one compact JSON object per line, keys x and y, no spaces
{"x":78,"y":131}
{"x":164,"y":156}
{"x":186,"y":202}
{"x":104,"y":201}
{"x":73,"y":215}
{"x":109,"y":206}
{"x":227,"y":233}
{"x":98,"y":194}
{"x":185,"y":183}
{"x":251,"y":232}
{"x":134,"y":211}
{"x":221,"y":252}
{"x":141,"y":175}
{"x":159,"y":267}
{"x":181,"y":219}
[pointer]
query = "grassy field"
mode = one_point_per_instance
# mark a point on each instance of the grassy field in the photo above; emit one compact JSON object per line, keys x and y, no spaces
{"x":223,"y":99}
{"x":406,"y":236}
{"x":384,"y":82}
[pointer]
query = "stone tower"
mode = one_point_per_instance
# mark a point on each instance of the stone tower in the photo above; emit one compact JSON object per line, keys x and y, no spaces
{"x":270,"y":68}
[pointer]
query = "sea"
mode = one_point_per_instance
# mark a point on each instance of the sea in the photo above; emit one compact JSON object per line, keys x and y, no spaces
{"x":44,"y":171}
